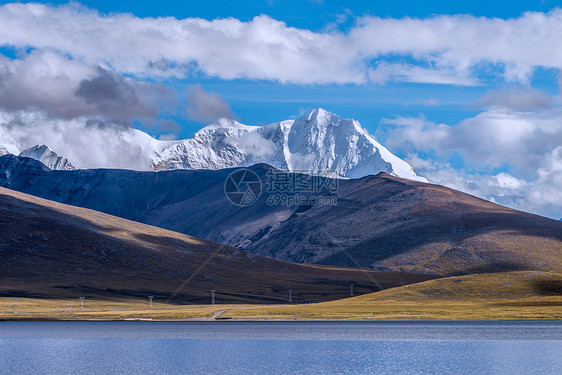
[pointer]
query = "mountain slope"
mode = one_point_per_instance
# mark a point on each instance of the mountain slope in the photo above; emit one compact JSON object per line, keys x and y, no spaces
{"x":382,"y":222}
{"x":318,"y":142}
{"x":48,"y":157}
{"x":51,"y":250}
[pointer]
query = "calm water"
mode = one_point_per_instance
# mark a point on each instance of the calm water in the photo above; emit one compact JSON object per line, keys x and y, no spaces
{"x":281,"y":348}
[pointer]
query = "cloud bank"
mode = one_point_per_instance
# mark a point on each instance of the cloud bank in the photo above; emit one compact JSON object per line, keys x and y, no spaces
{"x":517,"y":154}
{"x":65,"y":88}
{"x":87,"y":143}
{"x":443,"y":49}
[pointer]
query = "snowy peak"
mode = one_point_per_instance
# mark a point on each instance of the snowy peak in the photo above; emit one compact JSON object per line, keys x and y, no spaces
{"x":321,"y":140}
{"x":318,"y":142}
{"x":223,"y":144}
{"x":48,"y":157}
{"x":315,"y":114}
{"x":226,"y":124}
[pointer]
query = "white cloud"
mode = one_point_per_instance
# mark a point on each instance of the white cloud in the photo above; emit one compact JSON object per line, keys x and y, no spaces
{"x":493,"y":139}
{"x":445,"y":49}
{"x":518,"y":98}
{"x":547,"y":191}
{"x":256,"y":145}
{"x":228,"y":48}
{"x":85,"y":142}
{"x":66,"y":88}
{"x":417,"y":74}
{"x":8,"y":143}
{"x":168,"y":137}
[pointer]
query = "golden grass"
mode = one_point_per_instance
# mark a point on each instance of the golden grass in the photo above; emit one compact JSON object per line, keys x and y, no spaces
{"x":509,"y":296}
{"x":526,"y":309}
{"x":31,"y":308}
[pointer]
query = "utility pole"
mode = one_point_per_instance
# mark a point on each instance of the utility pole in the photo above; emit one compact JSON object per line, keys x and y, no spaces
{"x":351,"y":289}
{"x":213,"y":296}
{"x":150,"y":299}
{"x":290,"y":295}
{"x":15,"y":305}
{"x":81,"y":303}
{"x":70,"y":305}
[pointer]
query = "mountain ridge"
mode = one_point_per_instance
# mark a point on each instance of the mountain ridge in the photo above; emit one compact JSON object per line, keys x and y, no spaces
{"x":47,"y":156}
{"x":318,"y":142}
{"x":380,"y":222}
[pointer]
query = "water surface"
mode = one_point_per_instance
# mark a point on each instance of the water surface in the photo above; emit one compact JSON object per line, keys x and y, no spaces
{"x":281,"y":347}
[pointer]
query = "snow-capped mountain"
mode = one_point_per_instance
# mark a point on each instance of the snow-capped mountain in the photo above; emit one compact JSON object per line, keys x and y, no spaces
{"x":48,"y":157}
{"x":317,"y":142}
{"x":3,"y":151}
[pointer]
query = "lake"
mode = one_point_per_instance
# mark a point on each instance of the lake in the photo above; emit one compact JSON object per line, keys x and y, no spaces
{"x":281,"y":347}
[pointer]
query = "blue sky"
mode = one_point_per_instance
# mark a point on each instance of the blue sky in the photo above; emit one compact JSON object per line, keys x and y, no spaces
{"x":316,"y":14}
{"x":471,"y":93}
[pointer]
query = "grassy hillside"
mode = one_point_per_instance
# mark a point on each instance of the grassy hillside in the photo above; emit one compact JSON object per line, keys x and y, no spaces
{"x":55,"y":251}
{"x":512,"y":295}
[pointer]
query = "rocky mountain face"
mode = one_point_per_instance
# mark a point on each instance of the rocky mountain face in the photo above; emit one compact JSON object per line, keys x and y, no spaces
{"x":319,"y":142}
{"x":48,"y":157}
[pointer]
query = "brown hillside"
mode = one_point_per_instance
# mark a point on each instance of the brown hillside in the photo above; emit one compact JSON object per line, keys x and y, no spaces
{"x":52,"y":250}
